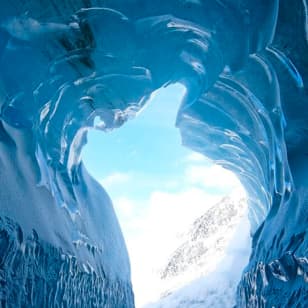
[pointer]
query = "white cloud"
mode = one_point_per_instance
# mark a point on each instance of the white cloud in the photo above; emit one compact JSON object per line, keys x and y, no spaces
{"x":155,"y":233}
{"x":115,"y":178}
{"x":125,"y":207}
{"x":212,"y":176}
{"x":152,"y":226}
{"x":152,"y":230}
{"x":196,"y":157}
{"x":180,"y":208}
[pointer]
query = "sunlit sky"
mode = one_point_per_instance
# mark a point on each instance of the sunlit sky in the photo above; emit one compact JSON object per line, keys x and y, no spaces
{"x":158,"y":187}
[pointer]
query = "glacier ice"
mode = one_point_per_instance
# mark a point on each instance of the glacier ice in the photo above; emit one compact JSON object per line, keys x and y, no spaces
{"x":68,"y":66}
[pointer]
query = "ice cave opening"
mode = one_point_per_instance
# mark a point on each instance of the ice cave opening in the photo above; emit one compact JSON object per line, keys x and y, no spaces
{"x":203,"y":239}
{"x":66,"y":63}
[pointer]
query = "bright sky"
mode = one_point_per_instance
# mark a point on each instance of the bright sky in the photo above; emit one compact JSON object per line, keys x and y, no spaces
{"x":158,"y":187}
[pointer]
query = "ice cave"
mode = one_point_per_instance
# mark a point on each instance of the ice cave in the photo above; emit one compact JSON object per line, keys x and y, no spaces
{"x":71,"y":66}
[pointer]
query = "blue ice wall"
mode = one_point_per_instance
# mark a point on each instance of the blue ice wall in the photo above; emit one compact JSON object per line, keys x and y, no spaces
{"x":68,"y":66}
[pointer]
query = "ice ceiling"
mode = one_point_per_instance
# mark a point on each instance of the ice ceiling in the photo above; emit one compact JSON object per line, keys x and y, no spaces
{"x":64,"y":64}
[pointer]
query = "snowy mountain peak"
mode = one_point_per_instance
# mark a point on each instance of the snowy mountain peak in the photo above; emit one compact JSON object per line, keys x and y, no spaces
{"x":206,"y":240}
{"x":204,"y":270}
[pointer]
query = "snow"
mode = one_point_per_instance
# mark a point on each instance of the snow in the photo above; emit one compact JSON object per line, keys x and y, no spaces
{"x":214,"y":282}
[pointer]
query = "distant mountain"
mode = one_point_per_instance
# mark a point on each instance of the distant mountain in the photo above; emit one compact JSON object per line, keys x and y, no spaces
{"x":202,"y":248}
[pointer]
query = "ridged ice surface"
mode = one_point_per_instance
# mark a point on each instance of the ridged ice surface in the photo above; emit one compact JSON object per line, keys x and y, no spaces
{"x":68,"y":66}
{"x":35,"y":274}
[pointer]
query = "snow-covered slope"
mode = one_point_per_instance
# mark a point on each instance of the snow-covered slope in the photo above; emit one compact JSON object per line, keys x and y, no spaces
{"x":206,"y":266}
{"x":205,"y":242}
